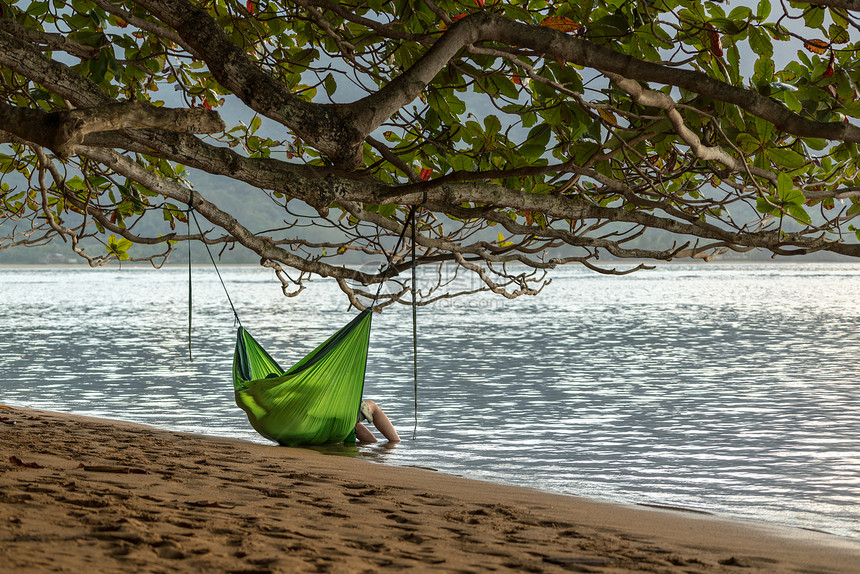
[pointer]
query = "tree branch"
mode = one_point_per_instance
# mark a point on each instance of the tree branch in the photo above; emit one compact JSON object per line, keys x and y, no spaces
{"x":62,"y":131}
{"x":20,"y":57}
{"x":339,"y":130}
{"x":846,"y":4}
{"x":49,"y":40}
{"x":328,"y":127}
{"x":262,"y":245}
{"x":653,"y":98}
{"x":485,"y":26}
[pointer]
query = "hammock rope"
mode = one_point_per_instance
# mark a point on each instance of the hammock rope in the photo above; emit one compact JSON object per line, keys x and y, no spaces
{"x":414,"y":330}
{"x":211,"y":257}
{"x":407,"y":223}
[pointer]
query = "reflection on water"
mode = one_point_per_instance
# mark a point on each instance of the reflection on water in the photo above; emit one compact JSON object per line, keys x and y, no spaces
{"x":726,"y":388}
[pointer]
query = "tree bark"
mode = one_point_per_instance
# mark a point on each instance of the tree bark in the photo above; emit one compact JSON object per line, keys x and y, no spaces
{"x":62,"y":131}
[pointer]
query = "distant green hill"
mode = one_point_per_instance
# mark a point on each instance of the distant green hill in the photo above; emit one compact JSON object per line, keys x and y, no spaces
{"x":248,"y":205}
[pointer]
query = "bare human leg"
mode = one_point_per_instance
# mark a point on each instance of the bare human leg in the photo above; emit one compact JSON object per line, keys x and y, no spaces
{"x":382,"y":424}
{"x":362,"y":434}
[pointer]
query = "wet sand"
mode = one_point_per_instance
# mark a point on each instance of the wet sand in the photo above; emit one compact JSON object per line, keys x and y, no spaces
{"x":90,"y":495}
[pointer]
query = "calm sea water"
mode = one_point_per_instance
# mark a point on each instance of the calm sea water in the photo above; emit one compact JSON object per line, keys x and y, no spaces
{"x":733,"y":389}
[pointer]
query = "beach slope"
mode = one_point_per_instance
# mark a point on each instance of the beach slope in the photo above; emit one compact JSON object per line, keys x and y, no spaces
{"x":90,"y":495}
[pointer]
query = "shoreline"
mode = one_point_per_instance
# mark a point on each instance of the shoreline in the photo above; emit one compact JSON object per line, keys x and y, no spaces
{"x":784,"y":260}
{"x":82,"y":493}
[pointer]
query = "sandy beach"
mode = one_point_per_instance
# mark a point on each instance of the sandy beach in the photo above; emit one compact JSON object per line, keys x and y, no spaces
{"x":90,"y":495}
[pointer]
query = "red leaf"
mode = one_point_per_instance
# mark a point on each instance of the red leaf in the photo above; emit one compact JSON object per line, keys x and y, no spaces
{"x":250,"y":6}
{"x":716,"y":43}
{"x":560,"y":23}
{"x":426,"y":173}
{"x":479,"y":3}
{"x":517,"y":80}
{"x":457,"y":17}
{"x":207,"y":105}
{"x":816,"y":46}
{"x":19,"y":462}
{"x":121,"y":23}
{"x":829,"y":71}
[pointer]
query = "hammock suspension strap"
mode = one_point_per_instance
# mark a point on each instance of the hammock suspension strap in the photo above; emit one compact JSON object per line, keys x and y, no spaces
{"x":192,"y":215}
{"x":409,"y":222}
{"x":414,"y":332}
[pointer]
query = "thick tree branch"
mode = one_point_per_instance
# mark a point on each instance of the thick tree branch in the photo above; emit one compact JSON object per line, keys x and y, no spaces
{"x":62,"y":131}
{"x":846,"y":4}
{"x":329,"y":128}
{"x":143,"y":24}
{"x":19,"y":56}
{"x":653,"y":98}
{"x":339,"y":130}
{"x":488,"y":27}
{"x":51,"y":41}
{"x":262,"y":245}
{"x":554,"y":44}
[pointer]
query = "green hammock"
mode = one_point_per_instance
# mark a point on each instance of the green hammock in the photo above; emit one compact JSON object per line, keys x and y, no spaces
{"x":317,"y":401}
{"x":314,"y":402}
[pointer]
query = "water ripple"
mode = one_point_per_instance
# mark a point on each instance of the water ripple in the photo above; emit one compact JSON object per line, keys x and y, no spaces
{"x":727,"y":388}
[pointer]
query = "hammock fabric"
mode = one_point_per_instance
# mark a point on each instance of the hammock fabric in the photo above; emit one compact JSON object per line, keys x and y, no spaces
{"x":317,"y":400}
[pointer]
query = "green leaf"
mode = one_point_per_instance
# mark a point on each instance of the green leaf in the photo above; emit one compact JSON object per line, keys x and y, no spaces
{"x":748,"y":143}
{"x":795,"y":197}
{"x":852,"y":109}
{"x":76,"y":183}
{"x":786,"y":191}
{"x":506,"y":87}
{"x":762,"y":10}
{"x":740,"y":13}
{"x":791,"y":101}
{"x":255,"y":125}
{"x":799,"y":213}
{"x":330,"y":84}
{"x":118,"y":247}
{"x":760,"y":43}
{"x":817,"y":144}
{"x":727,"y":25}
{"x":814,"y":16}
{"x":763,"y":205}
{"x":838,"y":19}
{"x":37,"y":8}
{"x":89,"y":38}
{"x":536,"y":142}
{"x":784,"y":185}
{"x":461,"y":162}
{"x":763,"y":69}
{"x":492,"y":125}
{"x":98,"y":69}
{"x":785,"y":157}
{"x":838,"y":34}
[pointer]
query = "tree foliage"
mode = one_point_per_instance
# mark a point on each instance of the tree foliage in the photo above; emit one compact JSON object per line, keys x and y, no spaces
{"x":531,"y":134}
